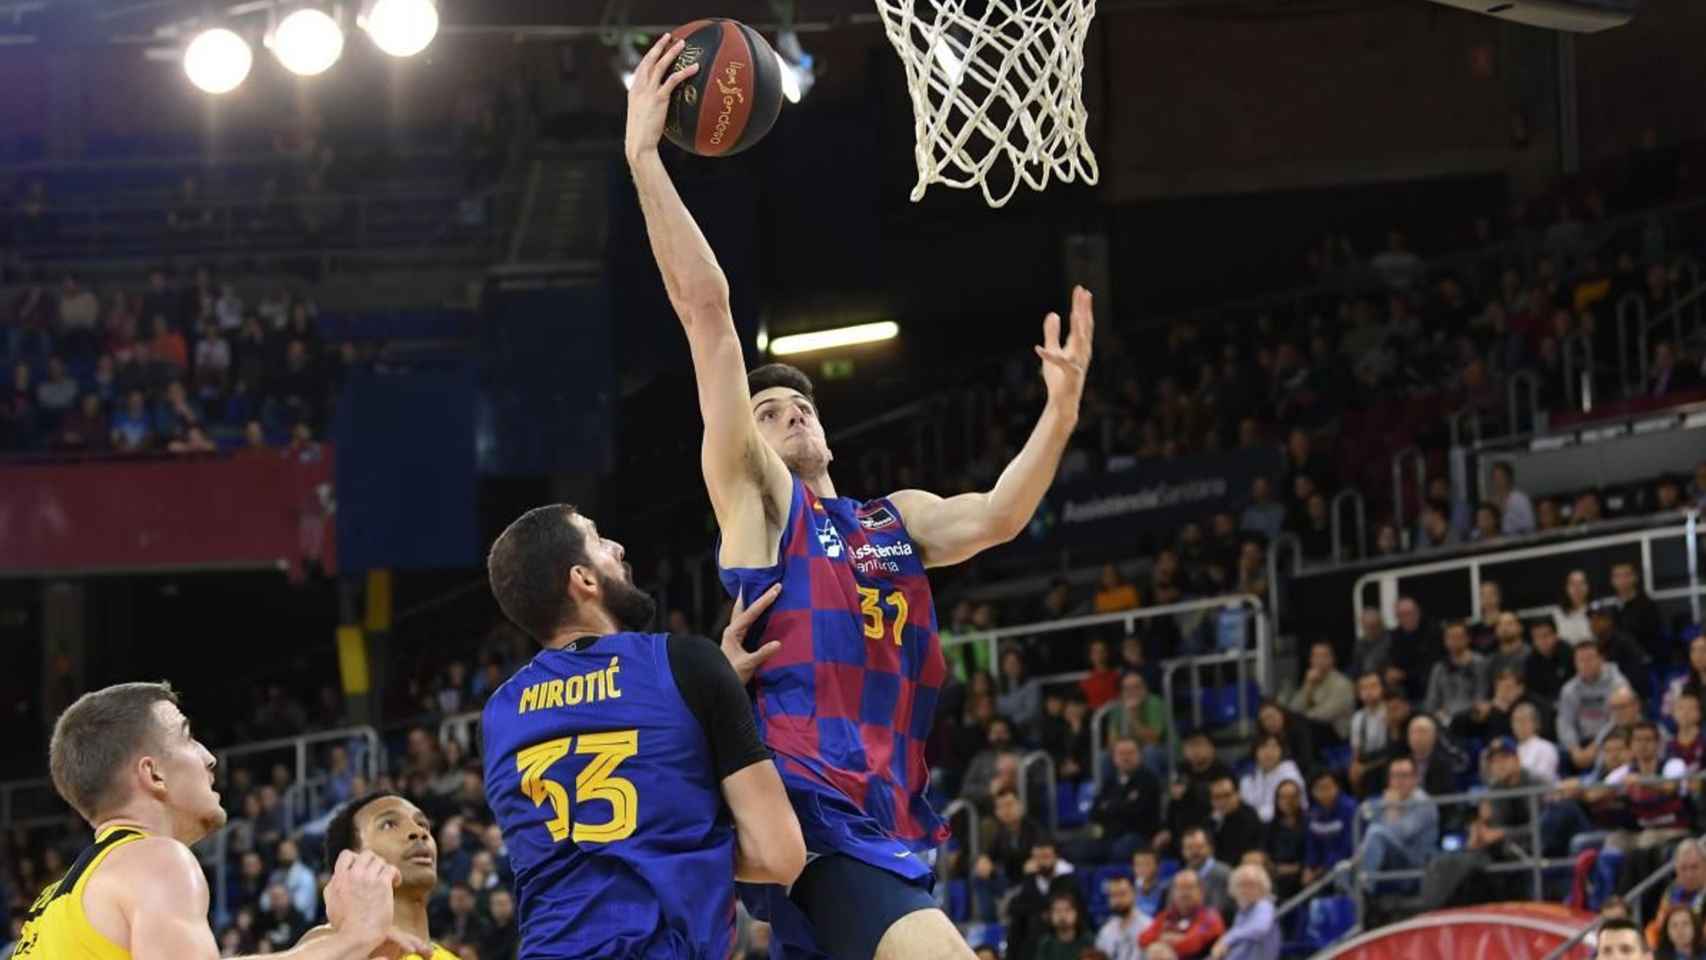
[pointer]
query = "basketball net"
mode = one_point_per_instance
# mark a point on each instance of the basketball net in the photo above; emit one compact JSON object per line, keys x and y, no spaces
{"x":995,"y":93}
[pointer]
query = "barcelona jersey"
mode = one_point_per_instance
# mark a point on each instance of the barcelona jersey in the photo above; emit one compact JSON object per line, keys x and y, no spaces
{"x":847,"y":703}
{"x":602,"y":780}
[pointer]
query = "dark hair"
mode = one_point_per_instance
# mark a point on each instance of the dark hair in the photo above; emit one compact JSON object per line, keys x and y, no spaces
{"x":780,"y":375}
{"x":97,"y":735}
{"x":1403,"y":759}
{"x":1640,"y":725}
{"x":1324,"y":773}
{"x":529,"y":568}
{"x":1509,"y":471}
{"x":1208,"y":838}
{"x":341,"y":834}
{"x":1268,"y":738}
{"x":1622,"y":923}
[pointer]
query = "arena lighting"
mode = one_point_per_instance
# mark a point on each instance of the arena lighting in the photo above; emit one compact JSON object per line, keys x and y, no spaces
{"x":217,"y":60}
{"x":401,"y":28}
{"x":796,"y":64}
{"x":829,"y":339}
{"x":307,"y":42}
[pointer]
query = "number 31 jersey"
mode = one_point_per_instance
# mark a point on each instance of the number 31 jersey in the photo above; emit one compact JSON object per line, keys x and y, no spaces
{"x":603,"y":782}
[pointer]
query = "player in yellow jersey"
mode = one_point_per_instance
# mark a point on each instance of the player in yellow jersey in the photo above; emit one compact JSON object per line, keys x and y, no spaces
{"x":125,"y":759}
{"x":396,"y":831}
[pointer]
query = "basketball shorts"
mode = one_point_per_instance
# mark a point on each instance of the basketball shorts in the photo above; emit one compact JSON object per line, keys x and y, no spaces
{"x":838,"y":909}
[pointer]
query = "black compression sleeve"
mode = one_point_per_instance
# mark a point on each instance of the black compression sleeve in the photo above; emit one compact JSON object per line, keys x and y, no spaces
{"x":717,"y":700}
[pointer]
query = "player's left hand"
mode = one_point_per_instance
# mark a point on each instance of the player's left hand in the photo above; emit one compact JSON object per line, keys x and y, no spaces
{"x":734,"y":635}
{"x":1064,"y":366}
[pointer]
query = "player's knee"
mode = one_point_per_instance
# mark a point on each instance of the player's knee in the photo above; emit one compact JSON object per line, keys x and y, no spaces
{"x":924,"y":935}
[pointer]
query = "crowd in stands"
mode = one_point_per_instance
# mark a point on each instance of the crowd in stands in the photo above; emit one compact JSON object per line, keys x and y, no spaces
{"x":181,"y":366}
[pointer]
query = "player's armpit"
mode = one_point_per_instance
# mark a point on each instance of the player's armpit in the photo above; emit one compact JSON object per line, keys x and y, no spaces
{"x":950,"y":530}
{"x":768,"y":844}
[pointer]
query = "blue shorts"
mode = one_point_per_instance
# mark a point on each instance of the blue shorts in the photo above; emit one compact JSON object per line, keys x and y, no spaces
{"x":839,"y":909}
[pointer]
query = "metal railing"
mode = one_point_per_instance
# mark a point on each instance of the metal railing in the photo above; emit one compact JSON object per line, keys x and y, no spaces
{"x":1359,"y":508}
{"x":464,"y":728}
{"x":1518,"y":383}
{"x":1688,"y":530}
{"x":1041,"y":758}
{"x":973,"y":847}
{"x":1578,"y":373}
{"x":1634,"y":897}
{"x":1415,"y":456}
{"x":371,"y":760}
{"x":1530,"y":860}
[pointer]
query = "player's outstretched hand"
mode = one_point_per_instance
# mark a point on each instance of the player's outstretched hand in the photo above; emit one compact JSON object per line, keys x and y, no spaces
{"x":359,"y":904}
{"x":734,"y":635}
{"x":1064,"y":366}
{"x":648,"y":98}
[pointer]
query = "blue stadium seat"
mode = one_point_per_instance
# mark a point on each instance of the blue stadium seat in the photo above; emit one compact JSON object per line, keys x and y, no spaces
{"x":1329,"y":919}
{"x":1072,"y":803}
{"x":1338,"y":758}
{"x":958,"y":906}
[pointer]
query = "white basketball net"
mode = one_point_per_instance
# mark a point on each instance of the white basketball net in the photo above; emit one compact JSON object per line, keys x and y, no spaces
{"x":997,"y":89}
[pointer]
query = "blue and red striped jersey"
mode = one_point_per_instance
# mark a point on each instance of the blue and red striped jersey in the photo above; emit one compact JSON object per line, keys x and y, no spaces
{"x":847,"y":703}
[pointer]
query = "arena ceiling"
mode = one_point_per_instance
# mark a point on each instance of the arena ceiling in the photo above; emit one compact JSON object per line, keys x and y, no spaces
{"x":141,"y":21}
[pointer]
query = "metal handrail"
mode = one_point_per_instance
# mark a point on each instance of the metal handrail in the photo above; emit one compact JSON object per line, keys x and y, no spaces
{"x":1689,"y":529}
{"x":1408,"y":454}
{"x":973,"y":845}
{"x":1043,"y":759}
{"x":1528,"y":379}
{"x":1464,"y":413}
{"x":1099,"y":738}
{"x":372,"y":759}
{"x":1634,"y":897}
{"x":1283,"y":542}
{"x":1322,"y":882}
{"x":1360,"y":511}
{"x":1533,"y":861}
{"x":1578,"y":381}
{"x":1129,"y":618}
{"x":464,"y":728}
{"x":1631,"y":305}
{"x":1246,"y":716}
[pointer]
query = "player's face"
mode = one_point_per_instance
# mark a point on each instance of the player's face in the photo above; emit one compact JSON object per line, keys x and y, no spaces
{"x":401,"y":835}
{"x":631,"y":607}
{"x":1622,"y":945}
{"x":186,"y":769}
{"x":788,"y":422}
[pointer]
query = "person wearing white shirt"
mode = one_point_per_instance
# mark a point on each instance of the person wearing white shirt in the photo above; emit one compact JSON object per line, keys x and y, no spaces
{"x":1118,"y":936}
{"x":1538,"y":755}
{"x":1258,"y":787}
{"x":1572,"y":615}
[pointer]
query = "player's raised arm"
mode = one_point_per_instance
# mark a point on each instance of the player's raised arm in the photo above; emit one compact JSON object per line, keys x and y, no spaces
{"x":953,"y":529}
{"x":739,"y":468}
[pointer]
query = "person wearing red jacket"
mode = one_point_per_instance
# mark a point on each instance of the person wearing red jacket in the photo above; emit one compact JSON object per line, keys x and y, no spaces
{"x":1188,"y":926}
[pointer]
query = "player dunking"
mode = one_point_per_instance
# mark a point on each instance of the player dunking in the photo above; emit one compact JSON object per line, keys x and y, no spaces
{"x":846,"y":704}
{"x":125,"y":759}
{"x":396,"y":831}
{"x":623,"y":767}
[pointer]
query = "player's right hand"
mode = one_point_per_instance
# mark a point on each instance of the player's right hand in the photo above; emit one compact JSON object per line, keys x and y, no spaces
{"x":734,"y":635}
{"x":360,"y":903}
{"x":648,"y":98}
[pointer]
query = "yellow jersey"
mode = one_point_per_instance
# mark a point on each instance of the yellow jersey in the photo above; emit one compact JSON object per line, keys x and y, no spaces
{"x":438,"y":953}
{"x":56,"y":927}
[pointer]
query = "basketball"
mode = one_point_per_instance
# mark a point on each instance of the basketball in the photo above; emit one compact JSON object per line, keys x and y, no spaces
{"x":732,"y":102}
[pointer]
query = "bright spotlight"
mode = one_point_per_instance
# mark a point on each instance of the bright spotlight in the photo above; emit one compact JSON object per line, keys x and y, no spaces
{"x":829,"y":339}
{"x":307,"y":42}
{"x":401,"y":28}
{"x":218,"y":60}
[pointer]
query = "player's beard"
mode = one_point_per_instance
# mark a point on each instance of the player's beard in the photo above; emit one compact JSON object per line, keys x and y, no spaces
{"x":631,"y":607}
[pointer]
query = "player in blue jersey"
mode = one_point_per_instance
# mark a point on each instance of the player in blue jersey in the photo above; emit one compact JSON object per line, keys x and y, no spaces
{"x":846,"y":703}
{"x":624,"y":767}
